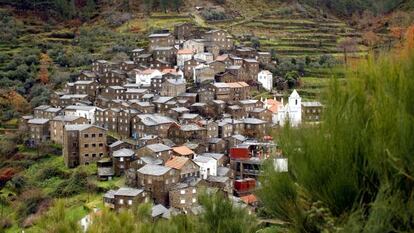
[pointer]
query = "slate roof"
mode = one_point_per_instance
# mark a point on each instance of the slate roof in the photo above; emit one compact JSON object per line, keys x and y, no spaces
{"x":203,"y":159}
{"x":38,"y":121}
{"x":158,"y":210}
{"x":126,"y":191}
{"x":124,"y":152}
{"x":110,"y":194}
{"x":154,"y":170}
{"x":158,"y":147}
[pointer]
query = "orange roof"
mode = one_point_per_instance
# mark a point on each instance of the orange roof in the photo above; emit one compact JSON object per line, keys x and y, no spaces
{"x":249,"y":199}
{"x":185,"y":51}
{"x":274,"y":105}
{"x":183,"y":150}
{"x":176,"y":162}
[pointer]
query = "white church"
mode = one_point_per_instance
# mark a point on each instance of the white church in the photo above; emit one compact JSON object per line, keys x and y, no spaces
{"x":290,"y":112}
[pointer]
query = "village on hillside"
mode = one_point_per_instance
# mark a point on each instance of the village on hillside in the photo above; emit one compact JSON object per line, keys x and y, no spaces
{"x":178,"y":118}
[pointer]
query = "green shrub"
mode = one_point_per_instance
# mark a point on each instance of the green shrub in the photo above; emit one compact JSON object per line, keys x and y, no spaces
{"x":358,"y":161}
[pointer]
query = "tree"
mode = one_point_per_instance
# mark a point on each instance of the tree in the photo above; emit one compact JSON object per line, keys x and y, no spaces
{"x":45,"y":62}
{"x":355,"y":167}
{"x":220,"y":215}
{"x":347,"y":45}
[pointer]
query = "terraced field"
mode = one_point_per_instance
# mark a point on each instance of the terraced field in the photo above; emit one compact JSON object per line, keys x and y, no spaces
{"x":297,"y":36}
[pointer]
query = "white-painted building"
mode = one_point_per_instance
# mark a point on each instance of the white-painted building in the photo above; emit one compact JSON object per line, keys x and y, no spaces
{"x":292,"y":111}
{"x":144,"y":77}
{"x":87,"y":112}
{"x":184,"y":55}
{"x":208,"y":166}
{"x":265,"y":77}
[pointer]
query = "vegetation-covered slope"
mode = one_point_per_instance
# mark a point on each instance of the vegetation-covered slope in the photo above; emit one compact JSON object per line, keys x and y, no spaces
{"x":352,"y":173}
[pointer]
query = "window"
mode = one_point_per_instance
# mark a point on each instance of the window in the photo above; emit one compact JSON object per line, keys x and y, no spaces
{"x":129,"y":202}
{"x":93,"y":155}
{"x":194,"y":191}
{"x":86,"y":155}
{"x":100,"y":135}
{"x":86,"y":135}
{"x":149,"y":181}
{"x":182,"y":191}
{"x":93,"y":135}
{"x":100,"y":144}
{"x":93,"y":145}
{"x":194,"y":200}
{"x":121,"y":201}
{"x":182,"y":201}
{"x":121,"y":159}
{"x":100,"y":154}
{"x":86,"y":145}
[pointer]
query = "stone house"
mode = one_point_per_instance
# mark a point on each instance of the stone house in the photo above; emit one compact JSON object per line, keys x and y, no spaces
{"x":142,"y":107}
{"x":127,"y":66}
{"x":125,"y":122}
{"x":184,"y":195}
{"x":108,"y":118}
{"x":158,"y":151}
{"x":134,"y":93}
{"x":262,"y":114}
{"x":122,"y":159}
{"x":173,"y":87}
{"x":150,"y":124}
{"x":183,"y":133}
{"x":251,"y":67}
{"x":220,"y":38}
{"x":254,"y":127}
{"x":83,"y":144}
{"x":126,"y":197}
{"x":158,"y":180}
{"x":217,"y":145}
{"x":168,"y":54}
{"x":114,"y":78}
{"x":57,"y":126}
{"x":195,"y":45}
{"x":189,"y":67}
{"x":203,"y":73}
{"x":38,"y":131}
{"x":311,"y":111}
{"x":185,"y":166}
{"x":184,"y":31}
{"x":184,"y":55}
{"x":160,"y":40}
{"x":87,"y":75}
{"x":113,"y":92}
{"x":264,"y":57}
{"x":102,"y":66}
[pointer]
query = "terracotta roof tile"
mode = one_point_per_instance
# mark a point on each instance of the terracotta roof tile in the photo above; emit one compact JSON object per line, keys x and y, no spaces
{"x":183,"y":150}
{"x":176,"y":162}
